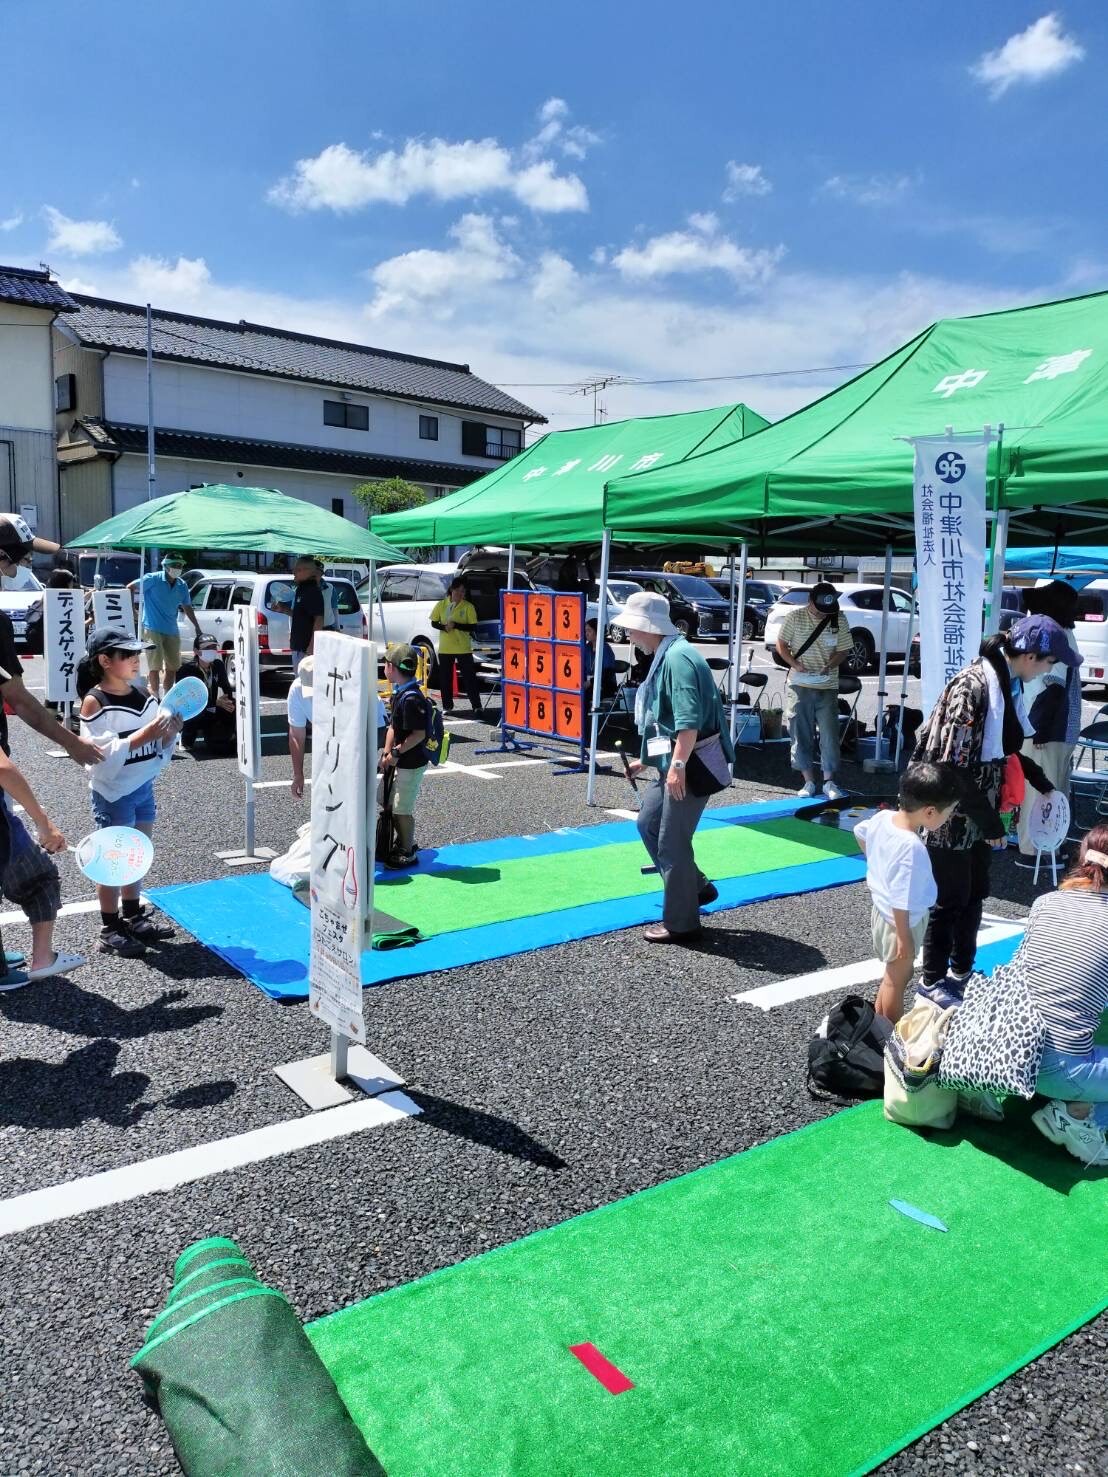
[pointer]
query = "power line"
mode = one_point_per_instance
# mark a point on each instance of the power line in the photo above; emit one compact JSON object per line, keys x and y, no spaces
{"x":704,"y":379}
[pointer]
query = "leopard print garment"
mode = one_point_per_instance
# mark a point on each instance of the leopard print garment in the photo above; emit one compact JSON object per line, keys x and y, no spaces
{"x":995,"y":1041}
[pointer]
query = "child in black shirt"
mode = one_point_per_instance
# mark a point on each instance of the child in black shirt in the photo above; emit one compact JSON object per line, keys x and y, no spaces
{"x":405,"y":750}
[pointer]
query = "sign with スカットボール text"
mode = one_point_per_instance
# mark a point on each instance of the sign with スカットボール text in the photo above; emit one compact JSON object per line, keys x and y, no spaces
{"x":248,"y":711}
{"x":63,"y":637}
{"x":949,"y":496}
{"x":341,"y":876}
{"x":114,"y":609}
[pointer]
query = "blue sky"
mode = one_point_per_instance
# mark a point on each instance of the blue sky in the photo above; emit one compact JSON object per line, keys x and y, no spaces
{"x":553,"y":191}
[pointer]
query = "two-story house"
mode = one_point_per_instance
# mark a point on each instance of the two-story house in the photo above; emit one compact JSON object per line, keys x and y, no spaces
{"x":29,"y":305}
{"x":238,"y":402}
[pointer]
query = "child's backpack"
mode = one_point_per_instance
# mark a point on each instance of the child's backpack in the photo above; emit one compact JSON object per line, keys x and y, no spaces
{"x":846,"y":1056}
{"x":438,"y":740}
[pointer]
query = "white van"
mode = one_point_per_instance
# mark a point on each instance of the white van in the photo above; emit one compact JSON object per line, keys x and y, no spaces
{"x":214,"y":602}
{"x":1091,"y":632}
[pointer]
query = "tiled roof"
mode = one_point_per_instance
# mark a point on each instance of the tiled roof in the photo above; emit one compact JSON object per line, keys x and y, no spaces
{"x":255,"y":349}
{"x":34,"y":290}
{"x":113,"y":436}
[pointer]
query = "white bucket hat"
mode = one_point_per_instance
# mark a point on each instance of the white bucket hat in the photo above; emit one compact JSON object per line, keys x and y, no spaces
{"x":305,"y":672}
{"x":645,"y":611}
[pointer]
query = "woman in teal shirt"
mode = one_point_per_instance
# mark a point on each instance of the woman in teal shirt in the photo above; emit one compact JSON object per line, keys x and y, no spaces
{"x":678,"y":712}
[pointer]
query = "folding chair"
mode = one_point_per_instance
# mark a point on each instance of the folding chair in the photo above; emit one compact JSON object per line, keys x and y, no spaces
{"x":850,"y":690}
{"x":1093,"y":738}
{"x":616,"y":702}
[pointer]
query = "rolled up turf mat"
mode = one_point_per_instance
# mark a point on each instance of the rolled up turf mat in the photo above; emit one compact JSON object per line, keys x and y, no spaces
{"x":240,"y":1388}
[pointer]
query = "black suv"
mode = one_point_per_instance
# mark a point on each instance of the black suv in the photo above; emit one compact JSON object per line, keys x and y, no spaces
{"x":694,"y":607}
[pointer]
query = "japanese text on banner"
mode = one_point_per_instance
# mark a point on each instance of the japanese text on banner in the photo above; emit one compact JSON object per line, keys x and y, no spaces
{"x":63,"y":628}
{"x":341,"y":891}
{"x":248,"y":719}
{"x":949,"y":498}
{"x":114,"y":609}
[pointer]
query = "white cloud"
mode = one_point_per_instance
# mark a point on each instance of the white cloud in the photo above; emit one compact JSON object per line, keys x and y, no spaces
{"x":79,"y":238}
{"x":554,"y":277}
{"x":12,"y":222}
{"x":1043,"y":50}
{"x":556,"y":131}
{"x":341,"y":179}
{"x":440,"y":279}
{"x":185,"y":281}
{"x":701,"y":249}
{"x":78,"y":284}
{"x":871,"y":189}
{"x":744,"y":179}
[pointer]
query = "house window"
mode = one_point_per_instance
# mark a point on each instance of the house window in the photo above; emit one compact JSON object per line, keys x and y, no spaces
{"x":342,"y":413}
{"x":496,"y":442}
{"x":65,"y":393}
{"x":338,"y":507}
{"x":428,"y":428}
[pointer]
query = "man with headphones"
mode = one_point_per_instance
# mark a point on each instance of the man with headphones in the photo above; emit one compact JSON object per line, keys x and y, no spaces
{"x":163,"y":595}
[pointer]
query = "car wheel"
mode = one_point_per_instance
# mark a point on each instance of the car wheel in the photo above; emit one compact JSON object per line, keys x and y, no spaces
{"x":229,"y":662}
{"x":683,"y":626}
{"x":861,"y":653}
{"x":420,"y":643}
{"x":748,"y":629}
{"x":617,"y":635}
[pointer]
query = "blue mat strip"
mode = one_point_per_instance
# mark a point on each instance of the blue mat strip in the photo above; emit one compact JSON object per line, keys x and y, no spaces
{"x":257,"y":926}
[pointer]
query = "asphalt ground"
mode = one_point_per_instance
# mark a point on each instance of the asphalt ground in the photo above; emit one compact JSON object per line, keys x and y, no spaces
{"x":550,"y":1083}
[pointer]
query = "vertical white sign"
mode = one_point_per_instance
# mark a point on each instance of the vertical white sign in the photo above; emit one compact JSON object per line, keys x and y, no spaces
{"x":949,"y":496}
{"x":63,"y":628}
{"x":344,"y":691}
{"x":114,"y":609}
{"x":248,"y":720}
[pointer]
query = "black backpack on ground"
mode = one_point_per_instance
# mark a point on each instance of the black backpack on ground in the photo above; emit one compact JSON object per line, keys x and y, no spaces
{"x":846,"y":1056}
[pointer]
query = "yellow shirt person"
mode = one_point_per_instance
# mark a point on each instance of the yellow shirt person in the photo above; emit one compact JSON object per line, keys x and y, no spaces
{"x":454,"y":618}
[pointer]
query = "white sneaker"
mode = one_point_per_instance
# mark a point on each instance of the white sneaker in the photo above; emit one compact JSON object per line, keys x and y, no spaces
{"x":833,"y":791}
{"x":808,"y":791}
{"x":1080,"y":1136}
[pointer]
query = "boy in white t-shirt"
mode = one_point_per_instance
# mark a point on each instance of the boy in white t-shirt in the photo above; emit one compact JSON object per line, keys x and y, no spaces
{"x":899,"y":876}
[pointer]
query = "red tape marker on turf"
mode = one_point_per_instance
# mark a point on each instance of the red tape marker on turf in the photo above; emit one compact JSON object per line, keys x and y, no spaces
{"x":613,"y":1379}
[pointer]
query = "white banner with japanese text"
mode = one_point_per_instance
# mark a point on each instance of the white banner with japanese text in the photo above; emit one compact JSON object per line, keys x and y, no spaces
{"x":248,"y":708}
{"x":114,"y":609}
{"x":63,"y":636}
{"x":949,"y":496}
{"x":344,"y":694}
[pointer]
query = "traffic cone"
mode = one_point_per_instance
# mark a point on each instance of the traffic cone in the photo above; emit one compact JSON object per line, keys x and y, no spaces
{"x":457,"y":684}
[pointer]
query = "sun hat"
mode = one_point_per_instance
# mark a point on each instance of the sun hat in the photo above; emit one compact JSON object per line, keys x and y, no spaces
{"x":1038,"y":635}
{"x":107,"y":638}
{"x":825,"y":598}
{"x":305,"y":673}
{"x":645,"y":611}
{"x":173,"y":561}
{"x":402,"y":657}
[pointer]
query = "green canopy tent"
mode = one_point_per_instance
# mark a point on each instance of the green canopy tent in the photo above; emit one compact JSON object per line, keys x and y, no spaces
{"x":254,"y":519}
{"x":837,"y":475}
{"x":553,"y":493}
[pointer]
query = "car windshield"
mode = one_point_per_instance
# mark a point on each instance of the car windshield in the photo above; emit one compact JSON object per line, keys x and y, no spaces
{"x":692,"y":587}
{"x":115,"y":570}
{"x":618,"y":590}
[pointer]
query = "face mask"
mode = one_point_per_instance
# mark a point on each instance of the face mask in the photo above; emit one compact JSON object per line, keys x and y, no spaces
{"x":207,"y":656}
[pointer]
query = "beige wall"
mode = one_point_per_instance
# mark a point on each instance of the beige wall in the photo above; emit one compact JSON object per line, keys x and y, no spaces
{"x":26,"y":368}
{"x":87,"y":365}
{"x":86,"y":496}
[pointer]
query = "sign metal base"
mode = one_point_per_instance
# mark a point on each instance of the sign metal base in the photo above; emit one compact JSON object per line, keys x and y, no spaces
{"x":312,"y":1081}
{"x":260,"y":856}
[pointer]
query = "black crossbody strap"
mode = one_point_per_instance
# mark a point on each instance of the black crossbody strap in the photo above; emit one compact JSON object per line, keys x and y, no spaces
{"x":816,"y":634}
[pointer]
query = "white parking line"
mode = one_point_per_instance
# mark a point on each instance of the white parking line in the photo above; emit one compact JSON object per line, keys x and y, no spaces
{"x":67,"y":910}
{"x":627,"y":815}
{"x":844,"y":976}
{"x":167,"y":1171}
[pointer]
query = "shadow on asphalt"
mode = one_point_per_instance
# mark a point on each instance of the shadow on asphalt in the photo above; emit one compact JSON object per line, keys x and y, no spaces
{"x":60,"y":1095}
{"x":753,"y":948}
{"x":79,"y":1012}
{"x":483,"y":1128}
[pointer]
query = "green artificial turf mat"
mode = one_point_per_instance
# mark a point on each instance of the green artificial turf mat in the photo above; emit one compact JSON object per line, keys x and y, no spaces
{"x":773,"y":1313}
{"x":442,"y":901}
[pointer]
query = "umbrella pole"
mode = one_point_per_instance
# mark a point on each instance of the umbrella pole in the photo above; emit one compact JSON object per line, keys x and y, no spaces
{"x":372,"y":586}
{"x":598,"y":664}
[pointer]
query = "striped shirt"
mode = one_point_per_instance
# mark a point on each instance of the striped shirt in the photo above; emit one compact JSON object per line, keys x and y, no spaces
{"x":1064,"y":956}
{"x":119,"y":718}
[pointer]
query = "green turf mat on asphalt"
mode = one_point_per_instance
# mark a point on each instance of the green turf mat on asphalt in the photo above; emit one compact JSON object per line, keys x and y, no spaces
{"x":773,"y":1313}
{"x":467,"y":897}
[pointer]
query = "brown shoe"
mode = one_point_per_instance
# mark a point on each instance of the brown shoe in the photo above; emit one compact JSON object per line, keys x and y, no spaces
{"x":658,"y":933}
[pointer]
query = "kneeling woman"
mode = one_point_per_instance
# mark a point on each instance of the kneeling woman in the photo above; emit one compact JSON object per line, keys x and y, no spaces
{"x":1065,"y":954}
{"x":974,"y":726}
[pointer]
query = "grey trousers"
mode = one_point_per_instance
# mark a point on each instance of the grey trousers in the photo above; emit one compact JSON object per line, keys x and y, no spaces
{"x":666,"y":827}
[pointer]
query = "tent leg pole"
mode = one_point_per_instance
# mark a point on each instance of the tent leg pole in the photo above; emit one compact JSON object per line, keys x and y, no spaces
{"x":904,"y":689}
{"x":511,"y":566}
{"x":730,"y":698}
{"x":740,"y":617}
{"x":598,"y":665}
{"x":996,"y":577}
{"x":879,"y":761}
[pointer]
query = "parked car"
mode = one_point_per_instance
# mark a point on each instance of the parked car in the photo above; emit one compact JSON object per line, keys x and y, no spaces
{"x":116,"y":567}
{"x":407,"y":593}
{"x":861,"y":607}
{"x":18,"y":597}
{"x":695,"y":608}
{"x":355,"y":573}
{"x":1011,"y":609}
{"x":764,"y":593}
{"x":754,"y":617}
{"x":1091,"y":632}
{"x":214,"y":601}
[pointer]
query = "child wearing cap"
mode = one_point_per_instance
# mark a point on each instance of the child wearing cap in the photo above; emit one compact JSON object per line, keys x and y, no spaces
{"x":405,"y":750}
{"x":138,"y":742}
{"x":813,"y":643}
